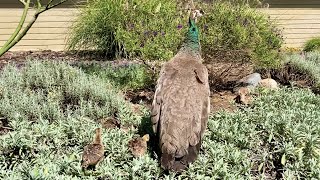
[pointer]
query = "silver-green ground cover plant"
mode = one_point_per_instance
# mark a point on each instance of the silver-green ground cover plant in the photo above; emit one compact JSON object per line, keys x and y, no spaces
{"x":53,"y":109}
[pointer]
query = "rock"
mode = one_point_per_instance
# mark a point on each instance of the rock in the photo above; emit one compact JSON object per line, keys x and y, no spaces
{"x":251,"y":81}
{"x":268,"y":83}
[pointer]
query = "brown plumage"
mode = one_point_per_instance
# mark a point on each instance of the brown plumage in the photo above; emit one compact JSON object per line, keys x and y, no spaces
{"x":110,"y":123}
{"x":138,"y":146}
{"x":243,"y":96}
{"x":181,"y":104}
{"x":94,"y":152}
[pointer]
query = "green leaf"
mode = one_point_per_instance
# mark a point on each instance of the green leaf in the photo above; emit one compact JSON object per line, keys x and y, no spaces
{"x":270,"y":137}
{"x":158,"y":8}
{"x":283,"y":159}
{"x":260,"y":167}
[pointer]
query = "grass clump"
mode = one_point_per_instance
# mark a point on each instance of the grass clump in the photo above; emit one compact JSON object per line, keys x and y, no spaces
{"x":312,"y":45}
{"x":126,"y":77}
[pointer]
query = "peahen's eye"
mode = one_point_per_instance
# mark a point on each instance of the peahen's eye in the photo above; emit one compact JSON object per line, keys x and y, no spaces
{"x":193,"y":29}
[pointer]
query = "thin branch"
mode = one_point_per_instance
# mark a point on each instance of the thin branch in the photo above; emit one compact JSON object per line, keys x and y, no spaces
{"x":9,"y":128}
{"x":48,"y":6}
{"x":24,"y":32}
{"x":18,"y":29}
{"x":49,"y":3}
{"x":35,"y":17}
{"x":17,"y":36}
{"x":23,"y":2}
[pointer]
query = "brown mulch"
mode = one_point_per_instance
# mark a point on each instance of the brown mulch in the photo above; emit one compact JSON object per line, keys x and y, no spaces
{"x":4,"y":126}
{"x":219,"y":100}
{"x":142,"y":96}
{"x":222,"y":101}
{"x":226,"y":67}
{"x":19,"y":58}
{"x":52,"y":55}
{"x":288,"y":74}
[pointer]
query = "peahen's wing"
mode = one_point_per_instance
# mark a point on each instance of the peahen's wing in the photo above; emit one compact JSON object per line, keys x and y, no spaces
{"x":202,"y":77}
{"x":166,"y":74}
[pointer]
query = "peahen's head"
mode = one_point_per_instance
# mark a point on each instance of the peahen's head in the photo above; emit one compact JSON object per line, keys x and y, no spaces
{"x":192,"y":39}
{"x":195,"y":13}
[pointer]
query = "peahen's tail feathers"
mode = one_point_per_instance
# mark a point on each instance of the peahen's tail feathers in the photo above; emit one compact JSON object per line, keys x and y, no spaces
{"x":169,"y":162}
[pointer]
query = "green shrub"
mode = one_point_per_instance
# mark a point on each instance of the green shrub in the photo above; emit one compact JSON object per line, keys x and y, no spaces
{"x":279,"y":134}
{"x":48,"y":90}
{"x":128,"y":28}
{"x":153,"y":30}
{"x":241,"y":28}
{"x":308,"y":64}
{"x":252,"y":3}
{"x":129,"y":76}
{"x":312,"y":44}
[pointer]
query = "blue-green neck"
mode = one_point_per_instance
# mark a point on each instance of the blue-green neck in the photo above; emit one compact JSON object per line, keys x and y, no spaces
{"x":192,"y":38}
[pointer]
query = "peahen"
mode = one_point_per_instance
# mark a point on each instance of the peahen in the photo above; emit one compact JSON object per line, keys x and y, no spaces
{"x":181,"y":103}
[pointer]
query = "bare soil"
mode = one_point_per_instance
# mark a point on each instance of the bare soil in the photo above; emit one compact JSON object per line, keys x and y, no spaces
{"x":219,"y":100}
{"x":223,"y":100}
{"x":4,"y":126}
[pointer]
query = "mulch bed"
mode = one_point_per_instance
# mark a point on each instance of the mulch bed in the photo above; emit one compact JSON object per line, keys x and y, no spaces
{"x":19,"y":58}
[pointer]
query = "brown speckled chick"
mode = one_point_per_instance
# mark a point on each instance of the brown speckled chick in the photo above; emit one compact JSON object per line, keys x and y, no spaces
{"x":94,"y":152}
{"x":138,"y":146}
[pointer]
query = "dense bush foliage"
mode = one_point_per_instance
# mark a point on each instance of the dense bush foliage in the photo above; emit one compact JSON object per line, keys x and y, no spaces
{"x":241,"y":28}
{"x":150,"y":29}
{"x":154,"y":30}
{"x":251,"y":3}
{"x":312,"y":45}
